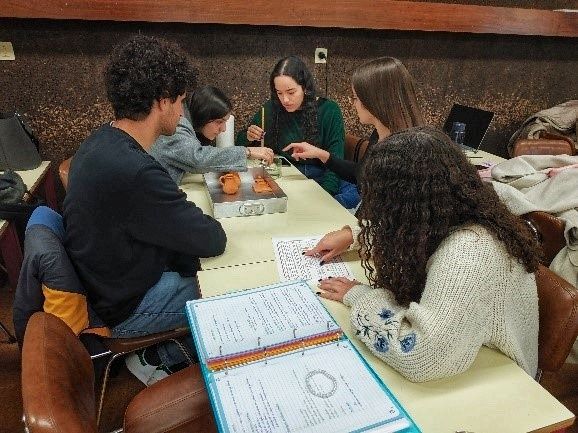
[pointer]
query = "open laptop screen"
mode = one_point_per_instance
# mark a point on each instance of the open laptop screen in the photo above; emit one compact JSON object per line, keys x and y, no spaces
{"x":476,"y":120}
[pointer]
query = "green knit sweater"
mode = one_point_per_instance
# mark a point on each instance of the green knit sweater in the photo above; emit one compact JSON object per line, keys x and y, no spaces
{"x":331,"y":135}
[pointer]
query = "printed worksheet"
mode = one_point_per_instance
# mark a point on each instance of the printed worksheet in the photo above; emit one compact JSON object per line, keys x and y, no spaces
{"x":259,"y":318}
{"x":322,"y":389}
{"x":293,"y":265}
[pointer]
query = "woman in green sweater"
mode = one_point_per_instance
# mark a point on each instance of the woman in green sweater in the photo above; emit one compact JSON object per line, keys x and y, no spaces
{"x":295,"y":114}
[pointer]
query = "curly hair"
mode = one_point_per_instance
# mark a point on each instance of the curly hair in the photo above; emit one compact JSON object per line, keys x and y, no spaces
{"x":295,"y":68}
{"x":143,"y":70}
{"x":417,"y":186}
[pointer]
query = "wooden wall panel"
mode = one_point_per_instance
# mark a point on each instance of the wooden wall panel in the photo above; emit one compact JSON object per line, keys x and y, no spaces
{"x":394,"y":15}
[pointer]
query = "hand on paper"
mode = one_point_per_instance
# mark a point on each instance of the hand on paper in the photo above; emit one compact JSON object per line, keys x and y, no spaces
{"x":335,"y":288}
{"x":332,"y":244}
{"x":254,"y":133}
{"x":305,"y":150}
{"x":264,"y":153}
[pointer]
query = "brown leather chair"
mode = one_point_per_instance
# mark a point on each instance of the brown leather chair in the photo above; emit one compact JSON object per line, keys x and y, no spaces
{"x":177,"y":404}
{"x":40,"y":266}
{"x":355,"y":147}
{"x":557,"y":298}
{"x":63,"y":170}
{"x":58,"y":389}
{"x":558,"y":306}
{"x":547,"y":144}
{"x":549,"y":231}
{"x":119,"y":347}
{"x":11,"y":338}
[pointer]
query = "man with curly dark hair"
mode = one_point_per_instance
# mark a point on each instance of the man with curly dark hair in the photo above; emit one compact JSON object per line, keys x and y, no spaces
{"x":450,"y":268}
{"x":132,"y":235}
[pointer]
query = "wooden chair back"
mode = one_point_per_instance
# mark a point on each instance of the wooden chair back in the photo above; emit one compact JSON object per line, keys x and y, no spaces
{"x":355,"y":147}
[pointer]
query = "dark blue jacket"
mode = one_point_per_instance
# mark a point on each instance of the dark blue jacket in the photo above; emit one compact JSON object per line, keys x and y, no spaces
{"x":48,"y":281}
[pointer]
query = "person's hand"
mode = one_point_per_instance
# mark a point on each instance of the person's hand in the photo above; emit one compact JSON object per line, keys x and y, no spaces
{"x":332,"y":244}
{"x":335,"y":288}
{"x":264,"y":153}
{"x":305,"y":150}
{"x":254,"y":133}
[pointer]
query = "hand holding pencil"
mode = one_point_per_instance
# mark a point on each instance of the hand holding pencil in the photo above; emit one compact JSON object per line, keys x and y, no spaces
{"x":256,"y":133}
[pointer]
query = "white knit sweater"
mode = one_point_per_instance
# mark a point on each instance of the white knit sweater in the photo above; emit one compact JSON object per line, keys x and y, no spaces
{"x":475,"y":294}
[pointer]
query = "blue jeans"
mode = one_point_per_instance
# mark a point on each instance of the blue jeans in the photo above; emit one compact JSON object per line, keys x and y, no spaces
{"x":163,"y":309}
{"x":312,"y":171}
{"x":347,"y":195}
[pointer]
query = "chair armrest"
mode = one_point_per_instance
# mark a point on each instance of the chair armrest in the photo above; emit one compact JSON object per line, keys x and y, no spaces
{"x":127,"y":345}
{"x":558,"y":305}
{"x":178,"y":403}
{"x":550,"y":231}
{"x":542,"y":146}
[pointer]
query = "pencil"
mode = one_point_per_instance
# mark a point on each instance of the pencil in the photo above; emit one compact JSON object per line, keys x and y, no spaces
{"x":263,"y":125}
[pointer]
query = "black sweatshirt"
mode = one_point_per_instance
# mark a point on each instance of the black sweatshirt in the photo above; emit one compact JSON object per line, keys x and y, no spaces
{"x":127,"y":222}
{"x":349,"y":170}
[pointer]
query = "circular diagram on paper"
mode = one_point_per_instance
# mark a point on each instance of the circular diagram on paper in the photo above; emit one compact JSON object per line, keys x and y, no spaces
{"x":320,"y":383}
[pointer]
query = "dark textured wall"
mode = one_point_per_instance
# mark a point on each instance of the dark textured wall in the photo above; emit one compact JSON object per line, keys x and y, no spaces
{"x":56,"y":83}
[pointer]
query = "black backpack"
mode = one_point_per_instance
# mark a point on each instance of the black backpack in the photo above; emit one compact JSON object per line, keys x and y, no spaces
{"x":18,"y":144}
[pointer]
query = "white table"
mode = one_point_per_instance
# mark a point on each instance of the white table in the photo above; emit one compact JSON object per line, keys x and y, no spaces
{"x":480,"y":156}
{"x":310,"y":211}
{"x":493,"y":395}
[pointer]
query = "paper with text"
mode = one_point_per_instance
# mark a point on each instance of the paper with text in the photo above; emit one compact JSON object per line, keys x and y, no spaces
{"x":322,"y":389}
{"x":257,"y":318}
{"x":293,"y":265}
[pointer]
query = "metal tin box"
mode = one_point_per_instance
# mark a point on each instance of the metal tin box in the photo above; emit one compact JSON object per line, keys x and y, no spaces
{"x":246,"y":201}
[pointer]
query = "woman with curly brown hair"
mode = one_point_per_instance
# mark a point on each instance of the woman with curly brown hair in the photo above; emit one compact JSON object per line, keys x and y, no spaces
{"x":450,"y":268}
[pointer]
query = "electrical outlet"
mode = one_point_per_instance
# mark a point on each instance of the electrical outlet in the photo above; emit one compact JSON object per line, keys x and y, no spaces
{"x":320,"y":55}
{"x":6,"y":51}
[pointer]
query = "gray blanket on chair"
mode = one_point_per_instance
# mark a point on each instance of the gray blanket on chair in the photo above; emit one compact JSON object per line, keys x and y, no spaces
{"x":523,"y":184}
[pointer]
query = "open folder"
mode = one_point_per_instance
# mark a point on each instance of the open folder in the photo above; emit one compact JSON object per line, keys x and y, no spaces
{"x":274,"y":360}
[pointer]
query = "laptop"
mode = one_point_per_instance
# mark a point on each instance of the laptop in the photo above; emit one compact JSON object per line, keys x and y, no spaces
{"x":476,"y":123}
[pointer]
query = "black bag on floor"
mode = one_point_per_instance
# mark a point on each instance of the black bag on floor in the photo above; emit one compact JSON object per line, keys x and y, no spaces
{"x":18,"y":145}
{"x":13,"y":206}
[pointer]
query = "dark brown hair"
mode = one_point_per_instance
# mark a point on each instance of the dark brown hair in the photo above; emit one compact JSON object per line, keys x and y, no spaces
{"x":296,"y":69}
{"x":143,"y":70}
{"x":417,"y":186}
{"x":386,"y":89}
